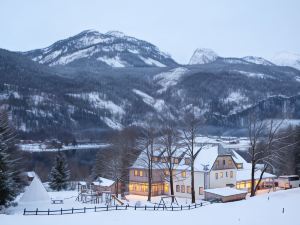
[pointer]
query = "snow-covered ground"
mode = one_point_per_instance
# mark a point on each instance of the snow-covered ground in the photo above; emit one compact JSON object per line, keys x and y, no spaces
{"x":40,"y":147}
{"x":276,"y":208}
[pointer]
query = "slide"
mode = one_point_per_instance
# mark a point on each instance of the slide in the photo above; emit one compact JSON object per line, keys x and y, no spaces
{"x":118,"y":200}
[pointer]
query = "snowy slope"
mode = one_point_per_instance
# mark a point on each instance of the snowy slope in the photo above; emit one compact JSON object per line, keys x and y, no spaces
{"x":276,"y":208}
{"x":287,"y":59}
{"x":203,"y":56}
{"x":170,"y":78}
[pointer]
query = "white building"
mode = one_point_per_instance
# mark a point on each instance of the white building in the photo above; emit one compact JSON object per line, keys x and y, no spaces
{"x":215,"y":167}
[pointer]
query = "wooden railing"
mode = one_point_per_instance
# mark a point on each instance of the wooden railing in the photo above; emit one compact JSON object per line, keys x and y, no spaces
{"x":112,"y":208}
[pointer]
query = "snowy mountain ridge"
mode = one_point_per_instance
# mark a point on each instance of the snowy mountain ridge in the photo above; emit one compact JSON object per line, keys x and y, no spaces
{"x":92,"y":48}
{"x":203,"y":56}
{"x":287,"y":59}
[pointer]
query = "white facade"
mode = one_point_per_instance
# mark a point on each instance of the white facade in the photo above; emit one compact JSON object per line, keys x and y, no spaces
{"x":182,"y":184}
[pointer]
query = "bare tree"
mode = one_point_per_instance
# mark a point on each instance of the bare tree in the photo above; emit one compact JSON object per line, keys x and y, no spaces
{"x":190,"y":131}
{"x":267,"y":147}
{"x":147,"y":146}
{"x":170,"y":145}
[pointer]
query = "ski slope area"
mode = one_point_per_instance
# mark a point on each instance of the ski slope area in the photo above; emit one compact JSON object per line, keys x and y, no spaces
{"x":263,"y":209}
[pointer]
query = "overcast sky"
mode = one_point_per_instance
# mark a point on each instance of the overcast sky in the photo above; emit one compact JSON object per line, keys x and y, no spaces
{"x":230,"y":27}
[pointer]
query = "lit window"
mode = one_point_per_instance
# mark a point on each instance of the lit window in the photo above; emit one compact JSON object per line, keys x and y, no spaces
{"x":136,"y":172}
{"x":231,"y":174}
{"x":188,"y":189}
{"x":166,"y":188}
{"x":183,"y":173}
{"x":217,"y":176}
{"x":221,"y":174}
{"x":182,"y":189}
{"x":141,"y":173}
{"x":130,"y":187}
{"x":226,"y":174}
{"x":177,"y":188}
{"x":217,"y":163}
{"x":249,"y":184}
{"x":242,"y":184}
{"x":239,"y":165}
{"x":175,"y":160}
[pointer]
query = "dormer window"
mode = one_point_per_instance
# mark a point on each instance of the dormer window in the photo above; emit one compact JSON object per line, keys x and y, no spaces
{"x":239,"y":165}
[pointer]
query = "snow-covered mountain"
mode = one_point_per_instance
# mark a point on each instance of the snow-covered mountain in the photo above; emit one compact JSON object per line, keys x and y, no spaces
{"x":93,"y":49}
{"x":203,"y":56}
{"x":257,"y":60}
{"x":287,"y":59}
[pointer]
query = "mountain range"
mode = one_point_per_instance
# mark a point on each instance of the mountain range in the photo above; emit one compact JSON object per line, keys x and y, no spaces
{"x":93,"y":83}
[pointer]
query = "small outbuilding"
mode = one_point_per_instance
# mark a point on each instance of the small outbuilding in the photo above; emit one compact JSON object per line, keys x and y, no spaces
{"x":225,"y":194}
{"x":102,"y":184}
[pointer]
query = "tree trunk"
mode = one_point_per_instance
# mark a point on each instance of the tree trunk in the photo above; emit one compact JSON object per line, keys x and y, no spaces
{"x":252,"y":178}
{"x":171,"y":185}
{"x":260,"y":178}
{"x":149,"y":184}
{"x":193,"y":182}
{"x":117,"y":187}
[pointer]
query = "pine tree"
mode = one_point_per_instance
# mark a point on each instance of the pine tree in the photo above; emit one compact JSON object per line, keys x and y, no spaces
{"x":60,"y":173}
{"x":9,"y":177}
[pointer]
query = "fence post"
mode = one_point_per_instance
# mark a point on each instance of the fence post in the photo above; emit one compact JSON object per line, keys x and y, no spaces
{"x":189,"y":207}
{"x":106,"y":207}
{"x":163,"y":207}
{"x":60,"y":211}
{"x":116,"y":207}
{"x":181,"y":207}
{"x":36,"y":211}
{"x":72,"y":210}
{"x":154,"y":207}
{"x":282,"y":210}
{"x":24,"y":211}
{"x":201,"y":204}
{"x":84,"y":209}
{"x":126,"y":207}
{"x":145,"y":207}
{"x":48,"y":211}
{"x":135,"y":207}
{"x":95,"y":209}
{"x":172,"y":208}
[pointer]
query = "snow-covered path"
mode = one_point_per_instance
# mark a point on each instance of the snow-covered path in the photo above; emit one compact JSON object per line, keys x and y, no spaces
{"x":257,"y":210}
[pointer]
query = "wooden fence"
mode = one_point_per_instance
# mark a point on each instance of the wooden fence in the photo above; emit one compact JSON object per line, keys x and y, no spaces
{"x":112,"y":208}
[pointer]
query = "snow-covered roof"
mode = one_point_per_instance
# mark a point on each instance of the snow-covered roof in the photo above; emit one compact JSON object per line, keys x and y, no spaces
{"x":36,"y":192}
{"x":204,"y":161}
{"x":30,"y":174}
{"x":226,"y":191}
{"x":245,"y":174}
{"x":82,"y":183}
{"x":104,"y":182}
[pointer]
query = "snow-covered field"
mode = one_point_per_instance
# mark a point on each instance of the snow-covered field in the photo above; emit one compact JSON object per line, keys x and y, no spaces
{"x":263,"y":209}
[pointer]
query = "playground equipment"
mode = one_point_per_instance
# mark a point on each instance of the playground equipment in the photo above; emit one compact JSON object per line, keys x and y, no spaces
{"x":162,"y":202}
{"x":118,"y":200}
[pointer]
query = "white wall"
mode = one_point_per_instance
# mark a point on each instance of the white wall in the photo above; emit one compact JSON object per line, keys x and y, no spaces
{"x":221,"y":182}
{"x":179,"y":180}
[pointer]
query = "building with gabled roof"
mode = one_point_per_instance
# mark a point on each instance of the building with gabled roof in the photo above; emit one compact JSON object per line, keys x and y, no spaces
{"x":215,"y":167}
